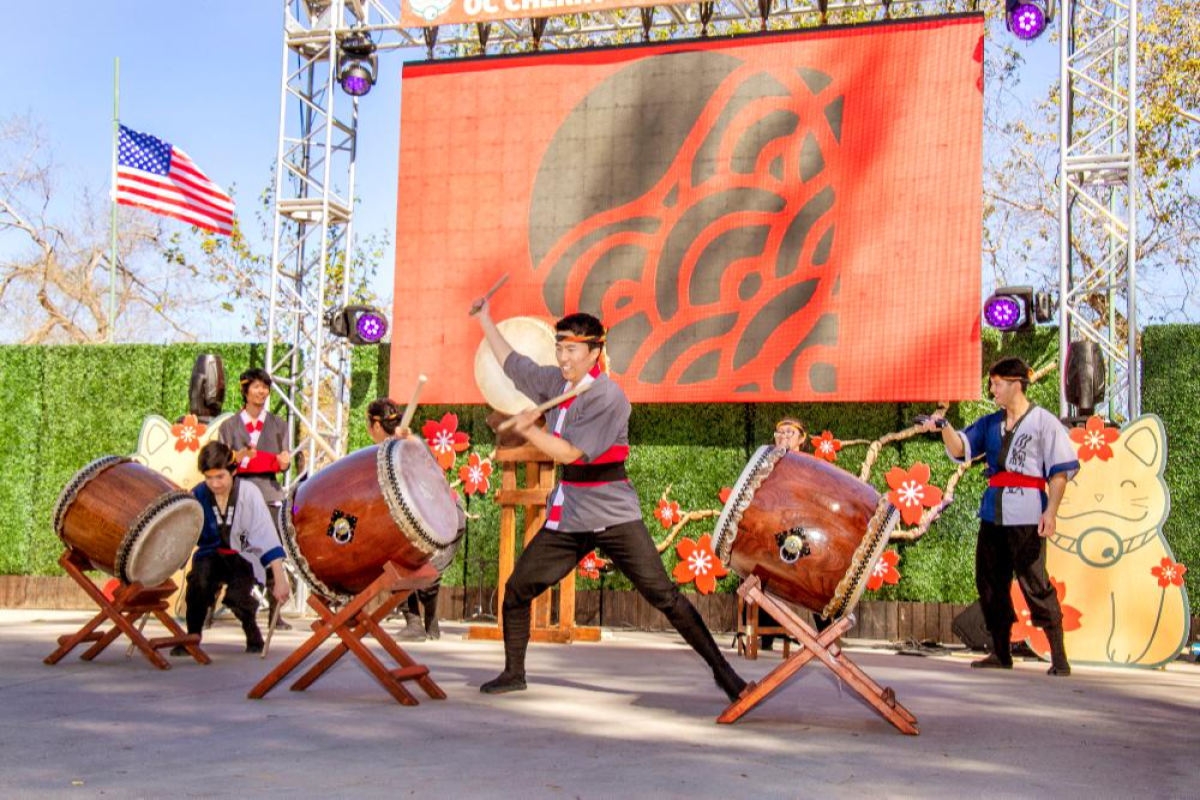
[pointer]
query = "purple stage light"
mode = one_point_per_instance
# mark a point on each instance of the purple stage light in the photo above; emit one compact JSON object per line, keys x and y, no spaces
{"x":1027,"y":21}
{"x":371,"y":327}
{"x":1002,"y":312}
{"x":356,"y":81}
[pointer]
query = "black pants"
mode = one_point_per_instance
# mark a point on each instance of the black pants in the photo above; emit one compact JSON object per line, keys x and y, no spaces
{"x":1002,"y":552}
{"x":208,"y":574}
{"x":424,"y":597}
{"x":552,"y":555}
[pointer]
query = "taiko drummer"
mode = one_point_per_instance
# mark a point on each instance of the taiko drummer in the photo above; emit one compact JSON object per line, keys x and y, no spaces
{"x":594,"y":504}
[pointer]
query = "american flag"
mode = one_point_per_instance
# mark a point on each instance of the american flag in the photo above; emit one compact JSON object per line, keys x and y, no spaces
{"x":153,"y":175}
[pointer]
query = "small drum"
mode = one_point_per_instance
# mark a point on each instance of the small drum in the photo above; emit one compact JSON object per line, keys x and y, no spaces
{"x":810,"y":531}
{"x":530,"y":336}
{"x":128,"y":520}
{"x":384,"y":503}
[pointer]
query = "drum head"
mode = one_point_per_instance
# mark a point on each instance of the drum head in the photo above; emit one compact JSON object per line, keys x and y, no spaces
{"x":161,"y":541}
{"x":529,"y":336}
{"x":420,"y":499}
{"x":760,"y":466}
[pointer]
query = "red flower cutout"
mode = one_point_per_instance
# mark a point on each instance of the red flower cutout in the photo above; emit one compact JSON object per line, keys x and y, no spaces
{"x":911,"y":492}
{"x":884,"y":571}
{"x":724,"y":494}
{"x":445,"y":440}
{"x":1094,"y":440}
{"x":187,"y":434}
{"x":474,"y":475}
{"x":826,"y":447}
{"x":1023,"y":628}
{"x":1169,"y":572}
{"x":590,"y":566}
{"x":698,"y":563}
{"x":668,"y":513}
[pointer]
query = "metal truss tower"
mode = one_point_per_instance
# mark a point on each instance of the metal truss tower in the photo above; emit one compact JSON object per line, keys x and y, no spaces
{"x":1097,"y":202}
{"x":313,"y":239}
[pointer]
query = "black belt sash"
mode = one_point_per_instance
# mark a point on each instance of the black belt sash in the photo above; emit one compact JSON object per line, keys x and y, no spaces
{"x":594,"y":473}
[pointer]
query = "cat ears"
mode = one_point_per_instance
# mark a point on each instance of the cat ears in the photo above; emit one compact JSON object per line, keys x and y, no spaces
{"x":1146,"y":440}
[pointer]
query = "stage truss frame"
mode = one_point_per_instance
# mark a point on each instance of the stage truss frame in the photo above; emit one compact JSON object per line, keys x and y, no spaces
{"x":312,"y":248}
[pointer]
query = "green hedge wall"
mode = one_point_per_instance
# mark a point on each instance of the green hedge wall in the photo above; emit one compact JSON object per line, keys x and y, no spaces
{"x":1170,"y":389}
{"x":64,"y":405}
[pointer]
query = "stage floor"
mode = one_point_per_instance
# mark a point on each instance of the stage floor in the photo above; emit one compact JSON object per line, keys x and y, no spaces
{"x":632,"y":716}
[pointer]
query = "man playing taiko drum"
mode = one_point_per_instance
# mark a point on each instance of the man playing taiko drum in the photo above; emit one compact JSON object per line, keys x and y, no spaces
{"x":594,"y":504}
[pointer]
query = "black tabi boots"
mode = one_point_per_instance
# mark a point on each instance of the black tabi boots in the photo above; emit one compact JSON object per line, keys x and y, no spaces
{"x":431,"y":619}
{"x":516,"y":642}
{"x":1058,"y":651}
{"x":414,"y":629}
{"x":691,"y":627}
{"x":1001,"y":656}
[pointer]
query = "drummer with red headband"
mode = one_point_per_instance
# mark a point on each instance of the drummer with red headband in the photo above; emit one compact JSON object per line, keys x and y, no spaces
{"x":259,"y":441}
{"x":594,"y":504}
{"x":1029,"y":461}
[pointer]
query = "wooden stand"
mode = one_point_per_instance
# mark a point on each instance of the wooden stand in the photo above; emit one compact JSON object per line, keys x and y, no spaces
{"x":750,"y":634}
{"x":539,"y":482}
{"x":131,"y":602}
{"x":826,"y":649}
{"x":352,"y":623}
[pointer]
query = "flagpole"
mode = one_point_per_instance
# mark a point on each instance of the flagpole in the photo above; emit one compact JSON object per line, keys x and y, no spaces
{"x":112,"y":254}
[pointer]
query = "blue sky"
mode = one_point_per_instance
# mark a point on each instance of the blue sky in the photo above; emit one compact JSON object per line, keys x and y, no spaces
{"x":205,"y":76}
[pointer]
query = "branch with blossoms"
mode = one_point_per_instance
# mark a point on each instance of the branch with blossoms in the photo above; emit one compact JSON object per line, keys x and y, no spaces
{"x":670,"y":516}
{"x":448,"y":443}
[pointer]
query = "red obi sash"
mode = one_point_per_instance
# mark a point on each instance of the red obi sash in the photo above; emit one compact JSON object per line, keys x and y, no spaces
{"x":1015,"y":480}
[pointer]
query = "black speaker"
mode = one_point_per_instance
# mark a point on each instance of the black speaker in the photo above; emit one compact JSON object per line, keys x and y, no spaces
{"x":1085,"y":377}
{"x":970,"y":628}
{"x":206,"y":394}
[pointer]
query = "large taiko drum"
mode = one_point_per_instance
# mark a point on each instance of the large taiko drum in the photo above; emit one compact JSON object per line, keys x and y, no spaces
{"x":810,"y":531}
{"x":529,"y":336}
{"x":388,"y":503}
{"x":128,"y":520}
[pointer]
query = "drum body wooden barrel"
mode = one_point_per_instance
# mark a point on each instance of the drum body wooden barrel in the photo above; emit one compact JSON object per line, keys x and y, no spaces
{"x":810,"y":531}
{"x":387,"y":503}
{"x":128,"y":520}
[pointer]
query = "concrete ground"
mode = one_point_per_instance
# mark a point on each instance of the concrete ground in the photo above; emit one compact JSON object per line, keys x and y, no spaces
{"x":632,"y":717}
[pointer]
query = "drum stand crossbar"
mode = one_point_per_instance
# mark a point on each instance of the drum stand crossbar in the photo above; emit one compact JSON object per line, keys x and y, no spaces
{"x":823,"y":647}
{"x":352,"y":623}
{"x":131,"y":604}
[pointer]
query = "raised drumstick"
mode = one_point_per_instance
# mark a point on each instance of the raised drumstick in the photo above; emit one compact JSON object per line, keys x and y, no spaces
{"x":411,"y":408}
{"x":271,"y":630}
{"x":549,"y":404}
{"x":475,"y":309}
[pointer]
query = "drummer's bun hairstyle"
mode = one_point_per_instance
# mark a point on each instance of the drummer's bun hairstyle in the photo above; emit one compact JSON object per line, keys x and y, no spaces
{"x":216,"y":455}
{"x":1012,"y":368}
{"x":581,"y":328}
{"x":252,"y":375}
{"x":386,"y":412}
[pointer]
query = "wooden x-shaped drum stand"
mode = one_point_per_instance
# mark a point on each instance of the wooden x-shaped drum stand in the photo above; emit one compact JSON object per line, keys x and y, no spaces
{"x":352,"y":622}
{"x":823,"y":647}
{"x":131,"y":602}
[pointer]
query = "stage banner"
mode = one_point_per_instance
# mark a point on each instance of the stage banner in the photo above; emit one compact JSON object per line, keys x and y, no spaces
{"x":774,"y":218}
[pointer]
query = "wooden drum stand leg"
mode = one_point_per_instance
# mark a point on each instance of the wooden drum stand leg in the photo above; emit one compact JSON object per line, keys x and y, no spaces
{"x":826,"y":649}
{"x":130,"y":603}
{"x":352,"y":623}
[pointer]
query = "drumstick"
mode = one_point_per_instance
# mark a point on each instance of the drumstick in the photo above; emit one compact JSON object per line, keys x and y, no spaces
{"x":411,"y":408}
{"x":476,"y":309}
{"x":132,"y":644}
{"x":549,"y":404}
{"x":270,"y":630}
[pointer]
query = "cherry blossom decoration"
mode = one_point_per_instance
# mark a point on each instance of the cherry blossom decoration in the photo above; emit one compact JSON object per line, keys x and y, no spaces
{"x":668,"y":513}
{"x":187,"y":434}
{"x":1023,"y":629}
{"x":911,"y":492}
{"x":884,"y":571}
{"x":698,"y":563}
{"x":723,"y":495}
{"x":445,"y":440}
{"x":475,"y":475}
{"x":590,"y":566}
{"x":1169,"y":572}
{"x":1094,"y":440}
{"x":826,"y":447}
